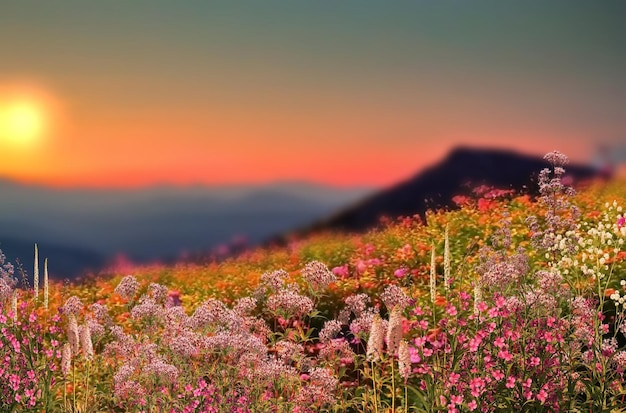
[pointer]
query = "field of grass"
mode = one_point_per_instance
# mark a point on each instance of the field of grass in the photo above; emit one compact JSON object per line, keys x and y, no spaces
{"x":507,"y":303}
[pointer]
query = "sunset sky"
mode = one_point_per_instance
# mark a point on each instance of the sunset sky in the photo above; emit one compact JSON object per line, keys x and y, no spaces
{"x":127,"y":94}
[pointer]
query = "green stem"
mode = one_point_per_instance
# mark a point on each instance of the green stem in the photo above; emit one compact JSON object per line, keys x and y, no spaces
{"x":406,"y":398}
{"x":74,"y":386}
{"x":393,"y":386}
{"x":374,"y":387}
{"x":87,"y":383}
{"x":64,"y":394}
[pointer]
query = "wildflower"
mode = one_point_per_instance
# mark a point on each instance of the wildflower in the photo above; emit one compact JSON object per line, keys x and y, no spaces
{"x":335,"y":349}
{"x":433,"y":274}
{"x":341,"y":271}
{"x":210,"y":312}
{"x":355,"y":304}
{"x":318,"y":275}
{"x":161,"y":370}
{"x":289,"y":302}
{"x":6,"y":290}
{"x":45,"y":284}
{"x":542,"y":396}
{"x":330,"y":330}
{"x":66,"y":361}
{"x":146,"y":309}
{"x":72,"y":333}
{"x":158,"y":292}
{"x":85,"y":341}
{"x":458,"y":399}
{"x":273,"y":281}
{"x":510,"y":382}
{"x":446,"y":261}
{"x":362,"y":323}
{"x":556,"y":158}
{"x":101,"y":313}
{"x":245,"y":306}
{"x":127,"y":288}
{"x":376,"y":339}
{"x":404,"y":360}
{"x":14,"y":303}
{"x":288,"y":350}
{"x":36,"y":274}
{"x":394,"y":296}
{"x":324,"y":378}
{"x":394,"y":330}
{"x":73,"y":306}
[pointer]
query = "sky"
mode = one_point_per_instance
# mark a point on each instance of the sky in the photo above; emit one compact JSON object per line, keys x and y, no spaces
{"x":346,"y":93}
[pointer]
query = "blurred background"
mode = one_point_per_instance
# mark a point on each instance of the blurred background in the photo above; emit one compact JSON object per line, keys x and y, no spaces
{"x":152,"y":131}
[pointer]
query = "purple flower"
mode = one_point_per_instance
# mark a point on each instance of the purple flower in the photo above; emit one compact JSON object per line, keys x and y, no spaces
{"x":127,"y":288}
{"x":318,"y":275}
{"x":395,"y":296}
{"x":73,"y":305}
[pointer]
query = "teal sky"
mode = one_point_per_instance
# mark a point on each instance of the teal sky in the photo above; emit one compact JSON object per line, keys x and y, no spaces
{"x":344,"y":92}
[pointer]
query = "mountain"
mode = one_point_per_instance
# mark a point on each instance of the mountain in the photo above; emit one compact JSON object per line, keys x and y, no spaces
{"x":64,"y":261}
{"x":462,"y":170}
{"x":83,"y":229}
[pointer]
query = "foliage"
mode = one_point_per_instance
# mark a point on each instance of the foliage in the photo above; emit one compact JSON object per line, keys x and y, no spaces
{"x":505,"y":303}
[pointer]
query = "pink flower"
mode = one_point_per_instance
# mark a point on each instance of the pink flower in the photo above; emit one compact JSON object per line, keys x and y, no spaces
{"x":456,"y":399}
{"x":499,"y":342}
{"x":361,"y":266}
{"x":474,"y":344}
{"x":454,"y":378}
{"x":400,"y":272}
{"x":341,"y":271}
{"x":451,"y":310}
{"x":472,"y":405}
{"x":497,"y":375}
{"x":505,"y":355}
{"x":542,"y":396}
{"x":621,"y":222}
{"x":510,"y":382}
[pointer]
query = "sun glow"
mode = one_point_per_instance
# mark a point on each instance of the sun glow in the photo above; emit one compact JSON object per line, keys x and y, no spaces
{"x":27,"y":113}
{"x":21,"y":123}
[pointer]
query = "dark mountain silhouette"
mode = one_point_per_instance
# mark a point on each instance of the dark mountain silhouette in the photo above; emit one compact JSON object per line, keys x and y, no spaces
{"x":458,"y":174}
{"x":67,"y":260}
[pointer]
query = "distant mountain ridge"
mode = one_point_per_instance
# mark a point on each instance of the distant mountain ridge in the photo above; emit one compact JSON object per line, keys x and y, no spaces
{"x":463,"y":169}
{"x":83,"y":229}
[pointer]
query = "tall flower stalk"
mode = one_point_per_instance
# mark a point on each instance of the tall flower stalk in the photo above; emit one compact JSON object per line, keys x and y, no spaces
{"x":433,"y":275}
{"x":446,"y":260}
{"x":36,"y":274}
{"x":45,"y":284}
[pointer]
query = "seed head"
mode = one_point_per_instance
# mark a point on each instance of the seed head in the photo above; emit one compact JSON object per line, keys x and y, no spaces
{"x":66,"y":360}
{"x":85,"y":341}
{"x":404,"y":360}
{"x":376,"y":339}
{"x":394,"y":330}
{"x":72,"y":333}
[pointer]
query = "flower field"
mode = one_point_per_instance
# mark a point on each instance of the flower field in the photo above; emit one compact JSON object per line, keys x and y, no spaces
{"x":507,"y":303}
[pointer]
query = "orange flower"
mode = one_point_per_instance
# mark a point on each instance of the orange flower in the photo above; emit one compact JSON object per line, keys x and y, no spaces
{"x":441,"y":301}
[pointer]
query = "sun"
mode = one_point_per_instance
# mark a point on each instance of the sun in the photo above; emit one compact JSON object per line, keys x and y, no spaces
{"x":22,"y":123}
